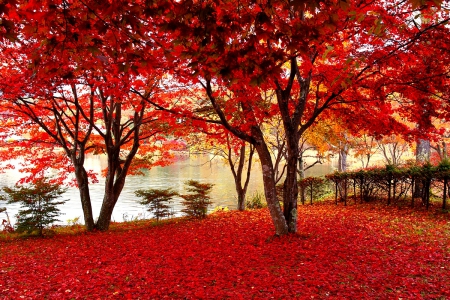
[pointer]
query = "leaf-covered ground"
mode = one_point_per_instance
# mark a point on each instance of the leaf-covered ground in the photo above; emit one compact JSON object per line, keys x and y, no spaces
{"x":354,"y":252}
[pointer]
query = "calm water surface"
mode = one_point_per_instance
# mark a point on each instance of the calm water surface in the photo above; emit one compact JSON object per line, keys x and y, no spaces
{"x":184,"y":168}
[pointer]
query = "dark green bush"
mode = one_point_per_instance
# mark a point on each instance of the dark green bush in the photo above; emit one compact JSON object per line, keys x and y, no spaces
{"x":196,"y":203}
{"x":157,"y":201}
{"x":38,"y":205}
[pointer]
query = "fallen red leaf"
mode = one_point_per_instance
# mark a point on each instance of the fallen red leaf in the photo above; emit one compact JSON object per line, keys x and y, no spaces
{"x":340,"y":252}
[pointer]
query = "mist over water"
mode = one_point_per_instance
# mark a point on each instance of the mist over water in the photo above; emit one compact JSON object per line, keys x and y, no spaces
{"x":185,"y":167}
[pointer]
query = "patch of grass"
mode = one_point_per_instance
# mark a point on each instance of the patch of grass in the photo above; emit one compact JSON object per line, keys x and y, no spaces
{"x":256,"y":201}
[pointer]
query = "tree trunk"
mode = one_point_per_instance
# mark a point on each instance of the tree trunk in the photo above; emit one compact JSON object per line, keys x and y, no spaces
{"x":104,"y":218}
{"x":256,"y":138}
{"x":345,"y":191}
{"x":442,"y":150}
{"x":109,"y":198}
{"x":270,"y":193}
{"x":423,"y":151}
{"x":117,"y":167}
{"x":389,"y":189}
{"x":342,"y":162}
{"x":241,"y":191}
{"x":290,"y":186}
{"x":301,"y":167}
{"x":361,"y":188}
{"x":241,"y":199}
{"x":114,"y":184}
{"x":302,"y":176}
{"x":83,"y":188}
{"x":444,"y":196}
{"x":336,"y":187}
{"x":237,"y":174}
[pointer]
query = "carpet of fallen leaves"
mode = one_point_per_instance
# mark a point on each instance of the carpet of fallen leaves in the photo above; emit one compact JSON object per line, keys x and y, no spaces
{"x":353,"y":252}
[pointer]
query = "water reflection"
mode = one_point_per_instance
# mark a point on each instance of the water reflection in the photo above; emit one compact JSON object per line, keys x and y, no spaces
{"x":185,"y":168}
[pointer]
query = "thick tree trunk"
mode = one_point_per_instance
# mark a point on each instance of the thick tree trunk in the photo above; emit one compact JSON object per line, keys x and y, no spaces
{"x":273,"y":205}
{"x":442,"y":150}
{"x":114,"y":183}
{"x":256,"y":138}
{"x":290,"y":187}
{"x":241,"y":201}
{"x":109,"y":198}
{"x":83,"y":188}
{"x":117,"y":167}
{"x":113,"y":187}
{"x":104,"y":218}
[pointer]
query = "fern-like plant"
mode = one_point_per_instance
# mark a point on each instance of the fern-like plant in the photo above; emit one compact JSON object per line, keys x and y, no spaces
{"x":38,"y":205}
{"x":157,"y":201}
{"x":196,"y":203}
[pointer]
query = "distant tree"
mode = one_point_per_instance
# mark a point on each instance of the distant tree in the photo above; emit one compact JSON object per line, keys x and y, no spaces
{"x":196,"y":204}
{"x":157,"y":201}
{"x":365,"y":147}
{"x":237,"y":154}
{"x":393,"y":148}
{"x":312,"y":148}
{"x":440,"y":144}
{"x":38,"y":204}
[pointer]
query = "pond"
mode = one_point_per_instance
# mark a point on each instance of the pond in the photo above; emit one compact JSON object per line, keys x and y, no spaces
{"x":185,"y":167}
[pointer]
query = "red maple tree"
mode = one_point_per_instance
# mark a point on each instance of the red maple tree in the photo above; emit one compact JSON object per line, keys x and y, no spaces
{"x":64,"y":87}
{"x":312,"y":56}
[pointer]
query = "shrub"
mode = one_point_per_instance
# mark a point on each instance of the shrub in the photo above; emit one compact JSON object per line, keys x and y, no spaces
{"x":38,"y":205}
{"x":257,"y":201}
{"x":74,"y":222}
{"x":196,"y":204}
{"x":313,"y":187}
{"x":220,"y":209}
{"x":157,"y":201}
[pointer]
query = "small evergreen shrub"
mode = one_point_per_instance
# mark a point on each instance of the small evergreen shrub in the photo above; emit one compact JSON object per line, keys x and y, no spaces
{"x":157,"y":201}
{"x":196,"y":204}
{"x":444,"y":166}
{"x":38,"y":205}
